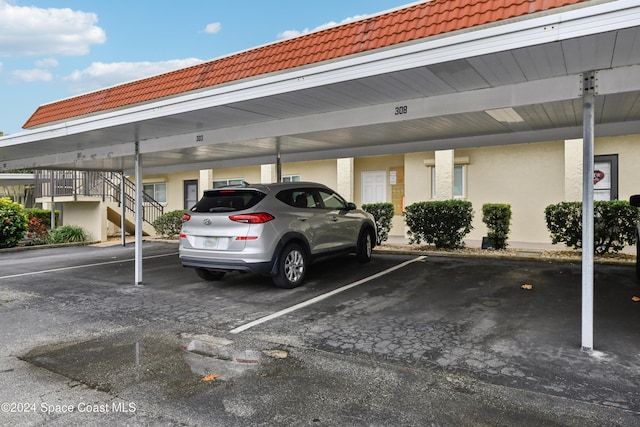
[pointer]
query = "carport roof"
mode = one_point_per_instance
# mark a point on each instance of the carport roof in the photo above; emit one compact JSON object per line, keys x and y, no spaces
{"x":429,"y":76}
{"x":403,"y":25}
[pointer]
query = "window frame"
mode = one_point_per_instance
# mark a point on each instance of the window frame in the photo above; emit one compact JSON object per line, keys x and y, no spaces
{"x":154,"y":196}
{"x":291,"y":178}
{"x":226,"y":182}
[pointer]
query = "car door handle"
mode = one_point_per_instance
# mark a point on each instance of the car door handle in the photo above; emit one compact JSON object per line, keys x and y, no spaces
{"x":334,"y":218}
{"x":301,"y":218}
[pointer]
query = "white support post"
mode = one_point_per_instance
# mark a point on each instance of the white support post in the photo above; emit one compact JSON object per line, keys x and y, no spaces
{"x":589,"y":84}
{"x":139,"y":216}
{"x":53,"y":204}
{"x":123,"y":210}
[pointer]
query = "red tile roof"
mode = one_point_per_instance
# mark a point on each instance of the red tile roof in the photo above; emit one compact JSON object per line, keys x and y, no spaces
{"x":411,"y":23}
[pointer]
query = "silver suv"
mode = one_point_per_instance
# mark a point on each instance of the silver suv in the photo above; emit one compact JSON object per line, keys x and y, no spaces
{"x":272,"y":229}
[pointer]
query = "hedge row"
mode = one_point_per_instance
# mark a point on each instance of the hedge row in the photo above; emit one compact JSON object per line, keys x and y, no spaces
{"x":446,"y":223}
{"x":615,"y":224}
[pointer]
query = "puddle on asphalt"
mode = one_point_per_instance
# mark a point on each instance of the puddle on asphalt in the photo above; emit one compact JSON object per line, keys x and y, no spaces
{"x":180,"y":363}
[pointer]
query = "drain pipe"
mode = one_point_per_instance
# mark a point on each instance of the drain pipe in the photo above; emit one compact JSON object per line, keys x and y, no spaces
{"x":278,"y":162}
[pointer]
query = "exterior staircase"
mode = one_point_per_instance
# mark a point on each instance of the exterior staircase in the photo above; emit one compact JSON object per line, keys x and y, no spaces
{"x":112,"y":190}
{"x":114,"y":216}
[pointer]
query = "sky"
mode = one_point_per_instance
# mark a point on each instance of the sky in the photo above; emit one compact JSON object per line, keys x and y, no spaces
{"x":56,"y":49}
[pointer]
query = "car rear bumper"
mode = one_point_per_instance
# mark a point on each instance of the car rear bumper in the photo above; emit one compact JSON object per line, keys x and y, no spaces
{"x":263,"y":268}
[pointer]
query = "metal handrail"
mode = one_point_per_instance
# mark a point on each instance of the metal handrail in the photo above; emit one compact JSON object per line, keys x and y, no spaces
{"x":106,"y":185}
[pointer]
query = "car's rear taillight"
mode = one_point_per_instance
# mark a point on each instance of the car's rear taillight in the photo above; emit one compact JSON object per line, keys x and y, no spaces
{"x":254,"y":218}
{"x":186,"y":217}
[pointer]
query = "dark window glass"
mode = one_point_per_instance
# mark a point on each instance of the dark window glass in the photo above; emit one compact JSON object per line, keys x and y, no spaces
{"x":299,"y":197}
{"x":228,"y":200}
{"x":331,"y":200}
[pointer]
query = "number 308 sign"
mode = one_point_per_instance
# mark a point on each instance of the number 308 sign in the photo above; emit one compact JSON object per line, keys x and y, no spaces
{"x":401,"y":109}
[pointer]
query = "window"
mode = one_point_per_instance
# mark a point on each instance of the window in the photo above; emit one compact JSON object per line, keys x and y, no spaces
{"x":299,"y":198}
{"x":605,"y":177}
{"x":331,"y":200}
{"x":227,"y":182}
{"x":230,"y":200}
{"x":291,"y":178}
{"x":459,"y":180}
{"x":157,"y":191}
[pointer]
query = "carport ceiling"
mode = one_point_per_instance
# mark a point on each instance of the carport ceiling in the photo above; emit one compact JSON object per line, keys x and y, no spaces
{"x":516,"y":81}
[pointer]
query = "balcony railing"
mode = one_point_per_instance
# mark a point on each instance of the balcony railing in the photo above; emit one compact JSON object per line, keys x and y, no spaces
{"x":105,"y":185}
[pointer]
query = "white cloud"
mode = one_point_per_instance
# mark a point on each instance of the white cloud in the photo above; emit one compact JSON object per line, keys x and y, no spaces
{"x":29,"y":31}
{"x":213,"y":28}
{"x":99,"y":74}
{"x":34,"y":75}
{"x":47,"y":63}
{"x":288,"y":34}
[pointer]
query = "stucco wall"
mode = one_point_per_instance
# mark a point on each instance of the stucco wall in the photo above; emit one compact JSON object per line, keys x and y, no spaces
{"x":380,"y":163}
{"x":90,"y":215}
{"x":371,"y":164}
{"x":250,"y":174}
{"x":323,"y":171}
{"x":529,"y":177}
{"x":175,"y":187}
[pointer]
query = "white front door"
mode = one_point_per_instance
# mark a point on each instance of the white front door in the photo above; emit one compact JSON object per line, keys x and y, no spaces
{"x":374,"y":187}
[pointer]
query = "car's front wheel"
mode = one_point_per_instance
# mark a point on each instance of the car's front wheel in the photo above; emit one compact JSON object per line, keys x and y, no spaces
{"x":209,"y":275}
{"x":365,"y":246}
{"x":292,"y":267}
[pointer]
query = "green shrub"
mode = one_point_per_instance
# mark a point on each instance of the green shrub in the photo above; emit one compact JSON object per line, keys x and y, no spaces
{"x":43,"y":214}
{"x":497,"y":218}
{"x":68,"y":234}
{"x":169,"y":224}
{"x":442,"y":223}
{"x":383,"y":214}
{"x":614,"y":224}
{"x":13,"y":223}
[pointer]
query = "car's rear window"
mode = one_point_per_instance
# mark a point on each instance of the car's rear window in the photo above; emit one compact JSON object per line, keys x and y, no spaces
{"x":227,"y":200}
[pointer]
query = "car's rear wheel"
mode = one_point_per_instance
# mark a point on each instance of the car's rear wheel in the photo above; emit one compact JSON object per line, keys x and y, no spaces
{"x":292,"y":267}
{"x":209,"y":275}
{"x":365,"y":246}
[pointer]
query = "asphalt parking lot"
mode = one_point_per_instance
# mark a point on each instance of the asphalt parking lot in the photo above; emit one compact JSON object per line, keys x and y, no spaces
{"x":403,"y":340}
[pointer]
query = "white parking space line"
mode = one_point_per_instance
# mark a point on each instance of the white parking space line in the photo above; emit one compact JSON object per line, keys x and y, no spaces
{"x":75,"y":267}
{"x":322,"y":297}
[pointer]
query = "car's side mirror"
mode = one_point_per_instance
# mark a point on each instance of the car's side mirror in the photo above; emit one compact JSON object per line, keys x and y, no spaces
{"x":351,"y":206}
{"x":635,"y":200}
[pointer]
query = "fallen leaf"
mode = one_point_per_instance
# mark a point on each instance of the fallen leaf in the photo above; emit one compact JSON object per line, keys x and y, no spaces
{"x":276,"y":354}
{"x":527,"y":286}
{"x":636,"y":299}
{"x":210,"y":377}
